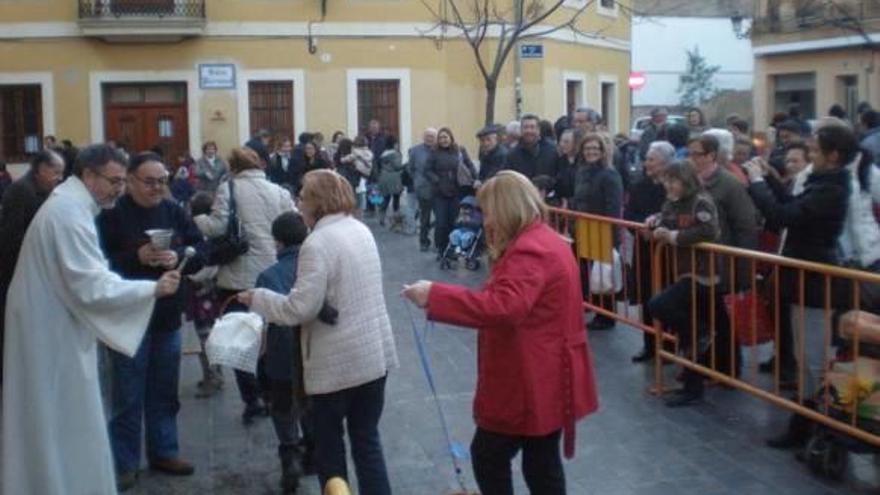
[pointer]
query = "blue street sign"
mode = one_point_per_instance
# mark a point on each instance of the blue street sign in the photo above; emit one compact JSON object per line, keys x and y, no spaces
{"x":531,"y":51}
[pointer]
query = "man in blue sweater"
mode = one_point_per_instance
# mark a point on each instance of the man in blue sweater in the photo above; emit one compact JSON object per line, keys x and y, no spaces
{"x":283,"y":360}
{"x":144,"y":388}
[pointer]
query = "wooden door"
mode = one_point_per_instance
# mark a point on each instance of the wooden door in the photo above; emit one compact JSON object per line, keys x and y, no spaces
{"x":142,"y":116}
{"x":126,"y":127}
{"x":142,"y":127}
{"x":168,"y":128}
{"x":379,"y":99}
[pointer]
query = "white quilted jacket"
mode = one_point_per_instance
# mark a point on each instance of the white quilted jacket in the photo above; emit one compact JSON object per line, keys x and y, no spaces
{"x":258,"y":203}
{"x":339,"y":263}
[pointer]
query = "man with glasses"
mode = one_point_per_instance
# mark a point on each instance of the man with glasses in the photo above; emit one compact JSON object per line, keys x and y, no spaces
{"x":144,"y":387}
{"x":62,"y":300}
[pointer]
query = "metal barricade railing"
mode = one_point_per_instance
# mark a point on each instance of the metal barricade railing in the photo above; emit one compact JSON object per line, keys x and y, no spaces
{"x":635,"y":253}
{"x":733,"y":294}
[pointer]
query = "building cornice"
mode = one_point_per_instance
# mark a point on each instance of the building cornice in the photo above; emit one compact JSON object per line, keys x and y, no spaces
{"x":13,"y":31}
{"x":814,"y":45}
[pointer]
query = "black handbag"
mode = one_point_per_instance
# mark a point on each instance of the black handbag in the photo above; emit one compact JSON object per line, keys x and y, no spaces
{"x":228,"y":247}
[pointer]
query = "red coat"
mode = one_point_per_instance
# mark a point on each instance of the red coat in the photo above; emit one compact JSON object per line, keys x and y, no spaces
{"x":535,"y":369}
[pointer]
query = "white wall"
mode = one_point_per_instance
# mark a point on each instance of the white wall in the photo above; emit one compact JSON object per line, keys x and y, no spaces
{"x":658,"y":50}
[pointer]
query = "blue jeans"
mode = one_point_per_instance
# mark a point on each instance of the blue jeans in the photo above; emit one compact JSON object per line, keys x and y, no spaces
{"x":359,"y":409}
{"x":144,"y":390}
{"x":445,"y":212}
{"x":462,"y":238}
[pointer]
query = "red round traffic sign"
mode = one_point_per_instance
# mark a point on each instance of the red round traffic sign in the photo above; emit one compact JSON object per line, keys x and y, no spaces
{"x":637,"y":80}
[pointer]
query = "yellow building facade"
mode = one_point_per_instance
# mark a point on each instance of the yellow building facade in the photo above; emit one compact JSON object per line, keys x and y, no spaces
{"x":813,"y":55}
{"x":178,"y":73}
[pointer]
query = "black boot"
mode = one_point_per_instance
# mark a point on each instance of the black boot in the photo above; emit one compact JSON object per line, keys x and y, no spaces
{"x":291,"y":468}
{"x":646,"y":354}
{"x":795,"y":436}
{"x":601,"y":322}
{"x":691,"y":394}
{"x":253,"y":410}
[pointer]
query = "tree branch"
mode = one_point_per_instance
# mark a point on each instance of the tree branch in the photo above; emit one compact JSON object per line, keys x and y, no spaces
{"x":525,"y":26}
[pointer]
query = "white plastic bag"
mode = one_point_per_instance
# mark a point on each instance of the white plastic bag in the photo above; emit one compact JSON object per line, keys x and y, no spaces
{"x":235,"y":341}
{"x":606,"y":278}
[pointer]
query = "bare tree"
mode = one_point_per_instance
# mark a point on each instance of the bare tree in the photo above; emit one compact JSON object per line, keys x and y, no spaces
{"x":507,"y":24}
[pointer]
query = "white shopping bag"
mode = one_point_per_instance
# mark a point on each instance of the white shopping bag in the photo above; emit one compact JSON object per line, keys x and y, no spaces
{"x":606,"y":278}
{"x":235,"y":341}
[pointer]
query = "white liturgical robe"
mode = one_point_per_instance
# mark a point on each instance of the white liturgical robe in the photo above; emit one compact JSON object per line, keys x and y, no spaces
{"x":62,"y":300}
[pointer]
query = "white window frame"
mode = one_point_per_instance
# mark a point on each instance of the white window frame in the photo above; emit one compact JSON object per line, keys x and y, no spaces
{"x":580,"y":77}
{"x":295,"y":76}
{"x":404,"y":103}
{"x":47,"y":94}
{"x":97,"y":79}
{"x":608,"y":78}
{"x":612,"y":12}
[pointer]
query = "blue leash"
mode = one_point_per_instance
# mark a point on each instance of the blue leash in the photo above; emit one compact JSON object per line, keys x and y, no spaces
{"x":457,"y":452}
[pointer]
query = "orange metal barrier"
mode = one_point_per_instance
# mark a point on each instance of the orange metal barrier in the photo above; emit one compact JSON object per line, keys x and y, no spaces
{"x":838,"y":393}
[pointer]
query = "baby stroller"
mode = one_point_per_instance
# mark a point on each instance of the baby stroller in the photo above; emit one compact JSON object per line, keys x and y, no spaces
{"x":853,"y":386}
{"x":466,"y":238}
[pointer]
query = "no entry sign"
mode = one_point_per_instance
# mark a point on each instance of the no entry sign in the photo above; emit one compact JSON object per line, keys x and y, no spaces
{"x":637,"y":80}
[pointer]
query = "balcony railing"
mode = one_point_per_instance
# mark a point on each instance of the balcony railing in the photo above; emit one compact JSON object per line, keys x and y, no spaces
{"x":142,"y":20}
{"x":797,"y":16}
{"x":141,"y":9}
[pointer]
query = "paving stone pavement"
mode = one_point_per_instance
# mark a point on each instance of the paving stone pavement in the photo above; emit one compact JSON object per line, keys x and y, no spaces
{"x":633,"y":445}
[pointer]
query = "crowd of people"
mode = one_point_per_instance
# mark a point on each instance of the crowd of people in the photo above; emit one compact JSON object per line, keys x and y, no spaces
{"x":275,"y":228}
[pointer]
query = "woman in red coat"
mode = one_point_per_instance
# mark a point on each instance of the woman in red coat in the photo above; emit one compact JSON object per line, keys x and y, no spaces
{"x":535,"y":371}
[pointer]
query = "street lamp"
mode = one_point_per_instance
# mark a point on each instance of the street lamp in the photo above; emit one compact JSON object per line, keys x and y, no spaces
{"x":737,"y":21}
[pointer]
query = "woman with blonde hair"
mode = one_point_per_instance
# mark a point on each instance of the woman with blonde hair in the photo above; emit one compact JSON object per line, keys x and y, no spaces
{"x":344,"y":364}
{"x":535,"y":369}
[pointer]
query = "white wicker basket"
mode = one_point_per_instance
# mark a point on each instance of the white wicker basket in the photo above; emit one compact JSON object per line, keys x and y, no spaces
{"x":235,"y":341}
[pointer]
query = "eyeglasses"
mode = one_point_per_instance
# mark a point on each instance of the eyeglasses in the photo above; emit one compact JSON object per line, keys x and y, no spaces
{"x":116,"y":182}
{"x":151,"y":182}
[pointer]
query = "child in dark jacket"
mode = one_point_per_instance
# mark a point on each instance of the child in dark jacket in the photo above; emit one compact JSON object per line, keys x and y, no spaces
{"x":202,"y":307}
{"x":283,"y":359}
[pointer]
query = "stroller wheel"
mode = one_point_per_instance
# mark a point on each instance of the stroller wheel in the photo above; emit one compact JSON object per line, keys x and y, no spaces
{"x":445,"y":264}
{"x":472,"y":264}
{"x":835,"y":461}
{"x":814,"y":453}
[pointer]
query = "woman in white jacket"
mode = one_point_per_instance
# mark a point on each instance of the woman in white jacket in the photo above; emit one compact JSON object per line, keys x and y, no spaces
{"x":860,"y":240}
{"x":344,"y":365}
{"x":258,"y":202}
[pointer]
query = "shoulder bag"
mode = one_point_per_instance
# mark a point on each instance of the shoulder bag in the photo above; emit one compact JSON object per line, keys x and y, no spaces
{"x":464,"y":174}
{"x":234,"y":243}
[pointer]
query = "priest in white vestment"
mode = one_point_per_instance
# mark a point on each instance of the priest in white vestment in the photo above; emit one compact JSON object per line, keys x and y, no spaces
{"x":63,"y":299}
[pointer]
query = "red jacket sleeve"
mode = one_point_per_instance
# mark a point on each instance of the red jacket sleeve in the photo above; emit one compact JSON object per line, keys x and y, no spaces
{"x":514,"y":287}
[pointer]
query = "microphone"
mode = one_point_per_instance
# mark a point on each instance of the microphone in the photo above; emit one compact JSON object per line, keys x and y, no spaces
{"x":188,"y":254}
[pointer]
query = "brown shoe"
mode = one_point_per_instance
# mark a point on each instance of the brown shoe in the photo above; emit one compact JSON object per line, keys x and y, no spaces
{"x":175,"y":467}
